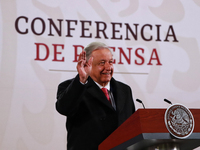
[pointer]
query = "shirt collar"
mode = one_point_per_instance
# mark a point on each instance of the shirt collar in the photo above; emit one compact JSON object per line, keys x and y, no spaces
{"x":107,"y":86}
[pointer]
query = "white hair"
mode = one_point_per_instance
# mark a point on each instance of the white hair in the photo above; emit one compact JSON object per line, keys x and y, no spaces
{"x":94,"y":46}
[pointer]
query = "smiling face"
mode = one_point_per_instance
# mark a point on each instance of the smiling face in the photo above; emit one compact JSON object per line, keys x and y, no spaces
{"x":102,"y":66}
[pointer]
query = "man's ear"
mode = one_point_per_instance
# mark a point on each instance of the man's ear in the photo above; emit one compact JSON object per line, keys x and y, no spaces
{"x":90,"y":61}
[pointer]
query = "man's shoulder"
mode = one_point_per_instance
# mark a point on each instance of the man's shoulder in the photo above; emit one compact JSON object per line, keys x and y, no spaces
{"x":119,"y":83}
{"x":75,"y":81}
{"x":68,"y":81}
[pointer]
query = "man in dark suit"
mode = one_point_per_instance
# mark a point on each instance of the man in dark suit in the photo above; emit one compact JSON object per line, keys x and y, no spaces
{"x":92,"y":115}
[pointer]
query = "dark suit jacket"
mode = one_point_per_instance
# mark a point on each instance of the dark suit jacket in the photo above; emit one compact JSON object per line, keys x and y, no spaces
{"x":90,"y":117}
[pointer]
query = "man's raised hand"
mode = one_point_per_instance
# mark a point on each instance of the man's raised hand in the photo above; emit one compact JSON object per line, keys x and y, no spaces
{"x":84,"y":67}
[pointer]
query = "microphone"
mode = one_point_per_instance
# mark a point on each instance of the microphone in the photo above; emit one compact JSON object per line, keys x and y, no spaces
{"x":169,"y":102}
{"x":138,"y":100}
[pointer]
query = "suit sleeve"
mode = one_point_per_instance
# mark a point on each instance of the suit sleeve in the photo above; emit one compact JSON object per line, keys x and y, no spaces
{"x":131,"y":100}
{"x":69,"y":96}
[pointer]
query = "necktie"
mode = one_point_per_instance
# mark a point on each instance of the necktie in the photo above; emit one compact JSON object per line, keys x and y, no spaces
{"x":106,"y":94}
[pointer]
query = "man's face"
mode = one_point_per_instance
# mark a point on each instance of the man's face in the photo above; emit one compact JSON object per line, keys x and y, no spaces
{"x":102,"y":66}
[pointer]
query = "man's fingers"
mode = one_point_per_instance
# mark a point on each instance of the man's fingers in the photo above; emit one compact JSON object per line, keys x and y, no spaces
{"x":82,"y":56}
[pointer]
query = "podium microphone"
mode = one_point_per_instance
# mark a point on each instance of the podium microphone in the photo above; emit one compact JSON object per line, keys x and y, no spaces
{"x":138,"y":100}
{"x":169,"y":102}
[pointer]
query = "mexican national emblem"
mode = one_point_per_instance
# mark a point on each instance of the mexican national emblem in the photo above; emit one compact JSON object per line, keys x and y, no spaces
{"x":179,"y":121}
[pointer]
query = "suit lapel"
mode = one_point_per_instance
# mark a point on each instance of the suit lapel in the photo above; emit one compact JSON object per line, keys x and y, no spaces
{"x":97,"y":93}
{"x":118,"y":94}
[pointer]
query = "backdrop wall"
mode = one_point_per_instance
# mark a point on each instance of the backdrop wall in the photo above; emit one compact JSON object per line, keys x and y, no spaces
{"x":155,"y":46}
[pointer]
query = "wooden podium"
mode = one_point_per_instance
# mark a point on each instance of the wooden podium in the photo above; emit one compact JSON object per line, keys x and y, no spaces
{"x":146,"y":130}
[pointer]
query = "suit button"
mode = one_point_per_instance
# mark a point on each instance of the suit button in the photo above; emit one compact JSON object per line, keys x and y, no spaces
{"x":102,"y":118}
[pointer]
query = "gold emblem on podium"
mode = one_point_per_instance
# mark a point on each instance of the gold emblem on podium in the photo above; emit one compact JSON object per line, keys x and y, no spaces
{"x":179,"y":121}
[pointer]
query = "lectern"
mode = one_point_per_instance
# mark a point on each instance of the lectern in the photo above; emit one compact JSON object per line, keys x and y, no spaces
{"x":146,"y":130}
